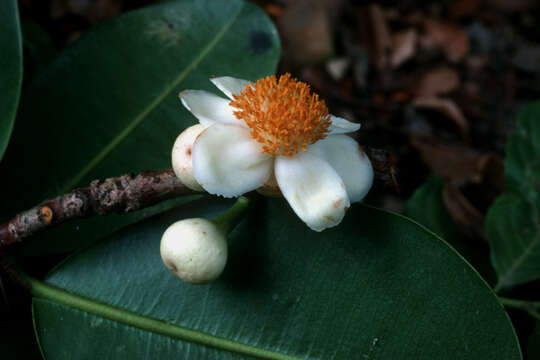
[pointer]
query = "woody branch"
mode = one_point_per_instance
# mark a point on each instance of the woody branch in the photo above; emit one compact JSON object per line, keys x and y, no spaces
{"x":130,"y":192}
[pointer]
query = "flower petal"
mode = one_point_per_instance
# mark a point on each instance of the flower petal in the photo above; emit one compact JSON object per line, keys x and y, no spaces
{"x":227,"y":161}
{"x":229,"y":85}
{"x":209,"y":108}
{"x":313,"y":189}
{"x":342,"y":126}
{"x":350,"y":162}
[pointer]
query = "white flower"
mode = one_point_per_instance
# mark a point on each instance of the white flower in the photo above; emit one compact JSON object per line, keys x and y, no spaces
{"x":278,"y":128}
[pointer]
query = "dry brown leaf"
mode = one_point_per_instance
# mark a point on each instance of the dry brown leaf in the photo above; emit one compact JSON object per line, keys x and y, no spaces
{"x":461,"y":164}
{"x":468,"y":203}
{"x":463,"y":8}
{"x":306,"y":31}
{"x":476,"y":63}
{"x":414,"y":18}
{"x":382,"y":45}
{"x":465,"y":215}
{"x":449,"y":36}
{"x":448,"y":108}
{"x":404,"y":47}
{"x":472,"y":180}
{"x":455,"y":163}
{"x":400,"y":96}
{"x":437,"y":82}
{"x":273,"y":9}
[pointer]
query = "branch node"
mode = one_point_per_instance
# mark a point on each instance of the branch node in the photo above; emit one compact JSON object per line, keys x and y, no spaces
{"x":46,"y":214}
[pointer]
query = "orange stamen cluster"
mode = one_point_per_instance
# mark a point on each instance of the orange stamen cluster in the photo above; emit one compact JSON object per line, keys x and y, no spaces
{"x":283,"y":115}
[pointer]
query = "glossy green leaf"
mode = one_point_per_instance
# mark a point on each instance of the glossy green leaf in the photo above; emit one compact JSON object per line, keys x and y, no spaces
{"x":522,"y":163}
{"x":39,"y":49}
{"x":108,"y":105}
{"x":513,"y":222}
{"x":10,"y":69}
{"x":426,"y":206}
{"x":378,"y":286}
{"x":513,"y":231}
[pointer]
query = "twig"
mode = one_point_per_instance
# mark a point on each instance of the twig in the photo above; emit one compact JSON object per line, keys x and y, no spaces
{"x":129,"y":193}
{"x":118,"y":194}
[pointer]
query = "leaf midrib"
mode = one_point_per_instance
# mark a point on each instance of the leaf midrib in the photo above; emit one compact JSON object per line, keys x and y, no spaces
{"x":525,"y":255}
{"x":517,"y":263}
{"x":42,"y":290}
{"x":534,"y":219}
{"x":147,"y":110}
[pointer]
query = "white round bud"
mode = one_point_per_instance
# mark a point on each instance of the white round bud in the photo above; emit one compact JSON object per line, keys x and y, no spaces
{"x":195,"y":250}
{"x":181,"y":156}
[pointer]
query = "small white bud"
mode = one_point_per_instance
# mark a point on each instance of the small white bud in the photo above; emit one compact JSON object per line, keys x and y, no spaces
{"x":195,"y":250}
{"x":181,"y":156}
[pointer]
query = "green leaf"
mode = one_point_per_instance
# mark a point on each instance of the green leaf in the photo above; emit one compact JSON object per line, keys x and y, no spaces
{"x":426,"y":206}
{"x":38,"y":47}
{"x":514,"y":234}
{"x":61,"y":239}
{"x":10,"y":69}
{"x":522,"y":163}
{"x":513,"y":221}
{"x":377,"y":286}
{"x":108,"y":105}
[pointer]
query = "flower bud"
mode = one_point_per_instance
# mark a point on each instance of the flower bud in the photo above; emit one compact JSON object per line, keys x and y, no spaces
{"x":181,"y":156}
{"x":195,"y":250}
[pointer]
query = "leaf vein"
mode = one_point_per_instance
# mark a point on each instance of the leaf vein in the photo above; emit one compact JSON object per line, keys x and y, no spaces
{"x":155,"y":326}
{"x":146,"y":111}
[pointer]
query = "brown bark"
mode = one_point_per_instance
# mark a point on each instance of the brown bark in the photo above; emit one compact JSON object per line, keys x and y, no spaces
{"x":118,"y":194}
{"x":131,"y":192}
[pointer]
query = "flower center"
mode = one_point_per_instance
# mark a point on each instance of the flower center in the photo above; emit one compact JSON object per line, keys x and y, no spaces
{"x":283,"y":115}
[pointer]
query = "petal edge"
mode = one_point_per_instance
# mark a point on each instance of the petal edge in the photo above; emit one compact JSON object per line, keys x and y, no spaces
{"x":229,"y":85}
{"x":227,"y":161}
{"x":209,"y":108}
{"x":342,"y":126}
{"x":313,"y":189}
{"x":349,"y":160}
